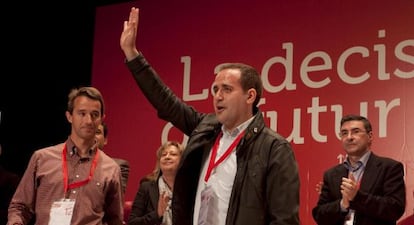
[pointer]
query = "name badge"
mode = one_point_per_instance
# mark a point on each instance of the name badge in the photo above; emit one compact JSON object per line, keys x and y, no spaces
{"x":208,"y":207}
{"x":61,"y":212}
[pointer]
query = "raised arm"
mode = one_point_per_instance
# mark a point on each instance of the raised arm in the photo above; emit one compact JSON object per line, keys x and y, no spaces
{"x":129,"y":35}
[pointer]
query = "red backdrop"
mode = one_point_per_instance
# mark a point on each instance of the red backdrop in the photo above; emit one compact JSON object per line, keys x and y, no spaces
{"x":318,"y":60}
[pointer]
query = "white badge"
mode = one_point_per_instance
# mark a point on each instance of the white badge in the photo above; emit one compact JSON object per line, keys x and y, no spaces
{"x":61,"y":212}
{"x":208,"y":207}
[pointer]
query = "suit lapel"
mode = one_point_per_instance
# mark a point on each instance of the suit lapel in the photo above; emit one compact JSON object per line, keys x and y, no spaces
{"x":154,"y":195}
{"x":370,"y":174}
{"x":339,"y":172}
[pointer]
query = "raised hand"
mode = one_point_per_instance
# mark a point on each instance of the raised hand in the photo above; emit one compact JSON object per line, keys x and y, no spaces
{"x":129,"y":35}
{"x":163,"y":203}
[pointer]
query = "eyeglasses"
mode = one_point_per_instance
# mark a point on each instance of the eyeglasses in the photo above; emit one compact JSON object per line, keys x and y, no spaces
{"x":354,"y":132}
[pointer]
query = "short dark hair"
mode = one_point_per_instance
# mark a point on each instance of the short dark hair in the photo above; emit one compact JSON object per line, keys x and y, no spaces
{"x":352,"y":117}
{"x":90,"y":92}
{"x":249,"y":78}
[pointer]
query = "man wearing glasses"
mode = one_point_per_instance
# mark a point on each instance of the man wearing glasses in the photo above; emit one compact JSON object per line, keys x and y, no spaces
{"x":366,"y":189}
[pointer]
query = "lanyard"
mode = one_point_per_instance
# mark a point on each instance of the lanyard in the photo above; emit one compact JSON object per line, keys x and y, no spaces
{"x":356,"y":171}
{"x":65,"y":171}
{"x":212,"y":164}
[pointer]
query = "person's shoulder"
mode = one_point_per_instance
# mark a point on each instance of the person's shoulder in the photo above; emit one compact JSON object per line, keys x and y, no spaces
{"x":268,"y":131}
{"x":49,"y":150}
{"x":383,"y":159}
{"x":146,"y":183}
{"x":259,"y":127}
{"x":272,"y":136}
{"x":338,"y":168}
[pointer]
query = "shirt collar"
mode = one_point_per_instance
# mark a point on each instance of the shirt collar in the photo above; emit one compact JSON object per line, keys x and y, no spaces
{"x":73,"y":150}
{"x":238,"y":129}
{"x":362,"y":162}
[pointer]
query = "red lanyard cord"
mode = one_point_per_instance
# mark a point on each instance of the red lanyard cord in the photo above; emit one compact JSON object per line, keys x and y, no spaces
{"x":213,"y":164}
{"x":68,"y":186}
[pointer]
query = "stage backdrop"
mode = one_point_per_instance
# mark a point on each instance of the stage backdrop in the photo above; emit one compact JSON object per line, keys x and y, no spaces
{"x":318,"y":61}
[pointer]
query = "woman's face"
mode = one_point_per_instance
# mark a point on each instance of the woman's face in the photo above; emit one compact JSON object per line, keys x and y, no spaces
{"x":169,"y":160}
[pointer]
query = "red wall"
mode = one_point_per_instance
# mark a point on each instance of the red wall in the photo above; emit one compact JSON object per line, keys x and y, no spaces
{"x":318,"y":61}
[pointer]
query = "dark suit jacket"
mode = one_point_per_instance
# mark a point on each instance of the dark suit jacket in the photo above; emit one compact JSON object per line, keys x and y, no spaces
{"x":144,"y":207}
{"x":124,"y":165}
{"x":380,"y":200}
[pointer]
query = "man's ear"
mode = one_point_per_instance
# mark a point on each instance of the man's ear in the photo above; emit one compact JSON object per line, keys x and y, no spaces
{"x":68,"y":116}
{"x":251,"y":95}
{"x":370,"y":134}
